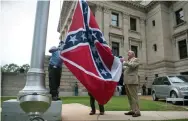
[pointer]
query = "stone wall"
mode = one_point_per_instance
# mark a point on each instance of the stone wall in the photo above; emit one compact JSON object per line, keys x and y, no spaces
{"x":12,"y":83}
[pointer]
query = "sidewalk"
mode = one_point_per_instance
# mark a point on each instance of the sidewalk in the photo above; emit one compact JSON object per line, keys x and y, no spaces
{"x":80,"y":112}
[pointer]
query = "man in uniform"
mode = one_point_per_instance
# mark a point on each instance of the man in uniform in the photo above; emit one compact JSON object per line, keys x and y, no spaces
{"x":131,"y":81}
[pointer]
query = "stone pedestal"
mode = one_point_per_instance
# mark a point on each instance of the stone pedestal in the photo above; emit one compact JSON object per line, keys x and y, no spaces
{"x":11,"y":111}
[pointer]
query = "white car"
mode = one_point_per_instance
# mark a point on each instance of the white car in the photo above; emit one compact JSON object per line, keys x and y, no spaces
{"x":170,"y":86}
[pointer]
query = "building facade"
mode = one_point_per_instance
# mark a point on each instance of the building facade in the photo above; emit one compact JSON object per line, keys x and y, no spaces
{"x":156,"y":32}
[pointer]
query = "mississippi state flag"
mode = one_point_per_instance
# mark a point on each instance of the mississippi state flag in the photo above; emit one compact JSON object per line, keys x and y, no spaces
{"x":88,"y":57}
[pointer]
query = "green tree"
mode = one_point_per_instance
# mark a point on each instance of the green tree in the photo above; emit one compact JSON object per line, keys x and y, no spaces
{"x":4,"y":68}
{"x":25,"y":67}
{"x":11,"y":68}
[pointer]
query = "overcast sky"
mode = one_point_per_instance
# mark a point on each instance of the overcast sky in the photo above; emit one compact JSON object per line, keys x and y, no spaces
{"x":16,"y":29}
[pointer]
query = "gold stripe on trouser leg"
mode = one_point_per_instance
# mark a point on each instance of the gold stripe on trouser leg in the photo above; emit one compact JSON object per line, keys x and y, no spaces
{"x":129,"y":97}
{"x":133,"y":92}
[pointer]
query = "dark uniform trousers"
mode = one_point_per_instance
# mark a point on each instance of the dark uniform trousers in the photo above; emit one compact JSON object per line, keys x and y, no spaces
{"x":92,"y":103}
{"x":54,"y":79}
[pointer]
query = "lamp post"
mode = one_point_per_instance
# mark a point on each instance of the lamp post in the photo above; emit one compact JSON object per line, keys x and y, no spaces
{"x":34,"y":98}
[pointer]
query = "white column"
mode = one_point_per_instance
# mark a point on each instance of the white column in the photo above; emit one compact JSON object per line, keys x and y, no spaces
{"x":138,"y":29}
{"x":63,"y":35}
{"x":143,"y":48}
{"x":106,"y":19}
{"x":99,"y":17}
{"x":66,"y":29}
{"x":126,"y":33}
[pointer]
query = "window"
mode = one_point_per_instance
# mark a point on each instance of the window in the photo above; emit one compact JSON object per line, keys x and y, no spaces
{"x":182,"y":49}
{"x":158,"y":81}
{"x":165,"y":81}
{"x":135,"y":49}
{"x":115,"y":48}
{"x":179,"y":16}
{"x":178,"y":79}
{"x":115,"y":19}
{"x":133,"y":24}
{"x":153,"y":22}
{"x":155,"y":47}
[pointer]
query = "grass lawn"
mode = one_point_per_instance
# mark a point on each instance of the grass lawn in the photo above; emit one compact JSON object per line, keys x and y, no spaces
{"x":7,"y":98}
{"x":120,"y":104}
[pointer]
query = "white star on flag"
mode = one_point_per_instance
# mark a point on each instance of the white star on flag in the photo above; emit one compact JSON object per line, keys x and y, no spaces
{"x":98,"y":61}
{"x":85,"y":11}
{"x":90,"y":36}
{"x":83,"y":36}
{"x":103,"y":72}
{"x":94,"y":34}
{"x":93,"y":49}
{"x":102,"y":38}
{"x":73,"y":39}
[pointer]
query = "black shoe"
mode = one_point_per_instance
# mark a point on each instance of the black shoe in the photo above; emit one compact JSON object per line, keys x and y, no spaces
{"x":55,"y":98}
{"x":136,"y":115}
{"x":129,"y":113}
{"x":58,"y":98}
{"x":91,"y":113}
{"x":101,"y":113}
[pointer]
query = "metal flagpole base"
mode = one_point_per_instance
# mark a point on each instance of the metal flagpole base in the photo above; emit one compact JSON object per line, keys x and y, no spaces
{"x":11,"y":111}
{"x":36,"y":118}
{"x":34,"y":98}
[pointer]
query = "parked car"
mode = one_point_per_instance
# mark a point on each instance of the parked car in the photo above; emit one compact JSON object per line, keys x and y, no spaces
{"x":170,"y":86}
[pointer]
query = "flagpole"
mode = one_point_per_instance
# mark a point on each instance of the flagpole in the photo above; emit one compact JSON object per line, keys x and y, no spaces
{"x":34,"y":98}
